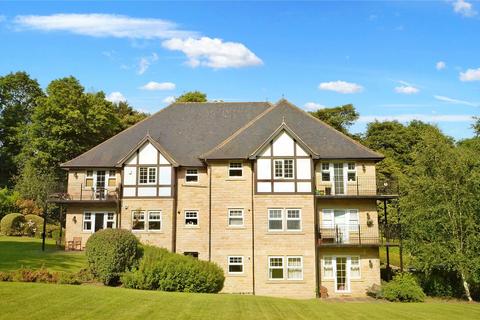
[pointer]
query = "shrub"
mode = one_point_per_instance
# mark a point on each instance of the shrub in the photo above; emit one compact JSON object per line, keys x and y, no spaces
{"x":12,"y":224}
{"x":33,"y":225}
{"x":6,"y":276}
{"x":162,"y":270}
{"x":32,"y":275}
{"x":405,"y":288}
{"x":441,"y":283}
{"x":69,"y":278}
{"x":56,"y":234}
{"x":111,"y":252}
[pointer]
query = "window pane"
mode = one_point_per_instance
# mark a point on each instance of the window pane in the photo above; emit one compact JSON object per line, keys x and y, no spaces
{"x":288,"y":169}
{"x":235,"y":172}
{"x":325,"y":176}
{"x":154,"y":225}
{"x":138,"y":222}
{"x":109,"y":224}
{"x":235,"y":268}
{"x":191,"y":218}
{"x":152,"y":175}
{"x":87,"y":225}
{"x":351,"y":176}
{"x":142,"y":175}
{"x":278,"y":168}
{"x":351,"y":166}
{"x":89,"y":182}
{"x":325,"y":166}
{"x":276,"y":273}
{"x":276,"y":262}
{"x":293,"y":224}
{"x":235,"y":221}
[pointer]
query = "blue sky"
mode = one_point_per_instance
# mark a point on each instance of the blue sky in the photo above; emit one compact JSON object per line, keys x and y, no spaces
{"x":392,"y":60}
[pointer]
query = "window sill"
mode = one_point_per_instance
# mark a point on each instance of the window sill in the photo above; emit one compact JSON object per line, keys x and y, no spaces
{"x":285,"y":233}
{"x":235,"y":179}
{"x":283,"y":281}
{"x":236,"y":228}
{"x":191,"y":227}
{"x":236,"y":275}
{"x":147,"y":232}
{"x":194,"y":185}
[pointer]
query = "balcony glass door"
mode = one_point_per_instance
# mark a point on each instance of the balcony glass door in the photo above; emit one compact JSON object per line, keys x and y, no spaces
{"x":340,"y":219}
{"x":338,"y":178}
{"x":100,"y":186}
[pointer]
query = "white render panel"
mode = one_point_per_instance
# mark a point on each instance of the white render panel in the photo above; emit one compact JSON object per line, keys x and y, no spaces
{"x":304,"y":169}
{"x":164,"y":191}
{"x":129,"y":175}
{"x":304,"y":187}
{"x":264,"y":169}
{"x":163,"y":160}
{"x":283,"y":145}
{"x":165,"y":175}
{"x":299,"y":150}
{"x":147,"y":154}
{"x":147,"y":192}
{"x":129,"y":192}
{"x":133,"y":159}
{"x":283,"y":187}
{"x":267,"y":152}
{"x":264,"y":187}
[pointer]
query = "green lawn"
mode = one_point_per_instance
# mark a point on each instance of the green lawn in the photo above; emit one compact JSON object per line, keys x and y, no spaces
{"x":47,"y":301}
{"x":17,"y":252}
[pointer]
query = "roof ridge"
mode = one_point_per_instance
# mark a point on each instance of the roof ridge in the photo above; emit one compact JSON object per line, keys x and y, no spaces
{"x":240,"y":130}
{"x":331,"y":128}
{"x":125,"y":130}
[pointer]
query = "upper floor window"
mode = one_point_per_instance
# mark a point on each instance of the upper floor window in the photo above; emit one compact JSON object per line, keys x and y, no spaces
{"x":191,"y":175}
{"x":191,"y":218}
{"x":325,"y":171}
{"x":235,"y":169}
{"x":235,"y":217}
{"x":284,"y":219}
{"x":89,"y":178}
{"x":112,"y":178}
{"x":283,"y":168}
{"x":351,"y":172}
{"x":147,"y":175}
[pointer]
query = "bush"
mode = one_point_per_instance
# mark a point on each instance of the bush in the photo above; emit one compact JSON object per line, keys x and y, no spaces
{"x":111,"y":252}
{"x":405,"y":288}
{"x":162,"y":270}
{"x":32,"y":275}
{"x":441,"y":283}
{"x":56,"y":234}
{"x":33,"y":225}
{"x":12,"y":224}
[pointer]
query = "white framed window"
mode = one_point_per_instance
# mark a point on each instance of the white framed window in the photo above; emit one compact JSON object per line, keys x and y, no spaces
{"x":110,"y":220}
{"x":295,"y":268}
{"x":294,"y":219}
{"x":191,"y":175}
{"x":138,"y":220}
{"x":154,"y":220}
{"x":327,"y":218}
{"x":147,"y":175}
{"x":191,"y":218}
{"x":275,"y":268}
{"x":327,"y":267}
{"x":283,"y":168}
{"x":351,"y":172}
{"x":89,"y":178}
{"x":235,"y":217}
{"x":355,"y":267}
{"x":325,"y":171}
{"x":235,"y":264}
{"x":235,"y":169}
{"x":353,"y":221}
{"x":112,"y":178}
{"x":275,"y":219}
{"x":87,"y":221}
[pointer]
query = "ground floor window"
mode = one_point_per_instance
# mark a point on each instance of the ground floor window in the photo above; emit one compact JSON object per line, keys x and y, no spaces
{"x":191,"y":218}
{"x":94,"y":221}
{"x":341,"y":269}
{"x":291,"y":270}
{"x":191,"y":254}
{"x":235,"y":264}
{"x":147,"y":220}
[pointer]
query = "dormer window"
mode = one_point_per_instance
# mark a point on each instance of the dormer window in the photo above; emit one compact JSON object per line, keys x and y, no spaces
{"x":284,"y":168}
{"x":235,"y":169}
{"x":191,"y":175}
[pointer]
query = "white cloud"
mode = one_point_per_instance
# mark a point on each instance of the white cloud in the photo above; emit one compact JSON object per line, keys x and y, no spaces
{"x":169,"y":100}
{"x":2,"y":18}
{"x":341,"y":87}
{"x":470,"y":75}
{"x":214,"y":53}
{"x":145,"y":63}
{"x":440,"y":65}
{"x":158,"y":86}
{"x":116,"y":97}
{"x":421,"y":117}
{"x":456,"y":101}
{"x":313,"y":106}
{"x":406,"y":89}
{"x":464,"y":8}
{"x":103,"y":25}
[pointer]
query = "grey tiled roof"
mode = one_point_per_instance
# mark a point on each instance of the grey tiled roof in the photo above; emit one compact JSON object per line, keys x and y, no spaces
{"x":189,"y":132}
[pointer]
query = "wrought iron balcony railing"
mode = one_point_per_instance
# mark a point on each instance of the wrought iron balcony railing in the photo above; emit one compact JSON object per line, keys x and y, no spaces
{"x":358,"y":186}
{"x":87,"y":194}
{"x":348,"y":234}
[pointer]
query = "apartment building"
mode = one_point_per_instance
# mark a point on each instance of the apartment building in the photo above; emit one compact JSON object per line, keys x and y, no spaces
{"x":284,"y":203}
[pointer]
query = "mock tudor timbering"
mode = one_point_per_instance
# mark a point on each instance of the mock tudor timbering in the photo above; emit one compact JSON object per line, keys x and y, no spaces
{"x":238,"y":184}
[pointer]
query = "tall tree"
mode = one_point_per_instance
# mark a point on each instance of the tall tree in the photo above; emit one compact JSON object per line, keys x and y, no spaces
{"x":66,"y":123}
{"x":476,"y":126}
{"x":441,"y":198}
{"x":18,"y":98}
{"x":341,"y":117}
{"x":192,"y":96}
{"x":127,"y":115}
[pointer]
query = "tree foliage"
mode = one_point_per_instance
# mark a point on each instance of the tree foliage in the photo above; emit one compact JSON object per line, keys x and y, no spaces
{"x":476,"y":126}
{"x":18,"y":98}
{"x":127,"y":115}
{"x":441,"y":198}
{"x":341,"y":117}
{"x":192,"y":96}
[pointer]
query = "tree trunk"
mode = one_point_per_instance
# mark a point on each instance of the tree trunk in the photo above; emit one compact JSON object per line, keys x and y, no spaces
{"x":465,"y":286}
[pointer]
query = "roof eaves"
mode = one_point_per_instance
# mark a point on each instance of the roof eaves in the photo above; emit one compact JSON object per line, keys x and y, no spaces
{"x":145,"y":139}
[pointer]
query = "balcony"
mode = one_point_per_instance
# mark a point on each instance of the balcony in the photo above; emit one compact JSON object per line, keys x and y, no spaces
{"x":87,"y":195}
{"x":359,"y":235}
{"x":361,"y":187}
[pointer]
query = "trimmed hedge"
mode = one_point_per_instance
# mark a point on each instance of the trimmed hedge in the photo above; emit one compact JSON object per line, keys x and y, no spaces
{"x":160,"y":269}
{"x":33,"y":225}
{"x":12,"y":224}
{"x":404,"y":288}
{"x":111,"y":252}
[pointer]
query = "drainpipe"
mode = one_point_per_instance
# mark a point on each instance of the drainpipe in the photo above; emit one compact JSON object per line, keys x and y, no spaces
{"x":315,"y":230}
{"x":253,"y":229}
{"x":209,"y":172}
{"x":174,"y":211}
